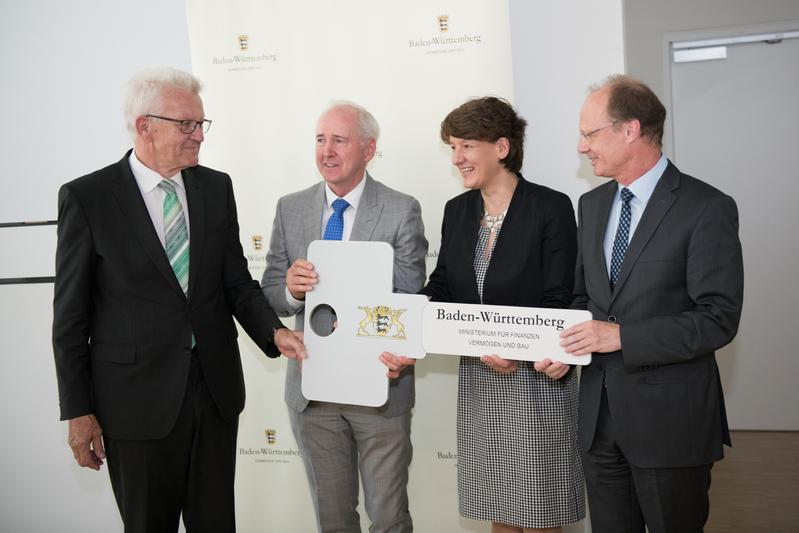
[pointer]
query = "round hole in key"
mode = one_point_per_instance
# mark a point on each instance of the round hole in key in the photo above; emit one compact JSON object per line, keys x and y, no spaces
{"x":323,"y":320}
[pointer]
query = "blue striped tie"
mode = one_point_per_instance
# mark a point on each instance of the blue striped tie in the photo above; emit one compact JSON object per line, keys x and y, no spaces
{"x":622,"y":237}
{"x":334,"y":230}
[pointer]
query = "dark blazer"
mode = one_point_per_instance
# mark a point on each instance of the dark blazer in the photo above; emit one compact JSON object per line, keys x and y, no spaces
{"x":532,"y":262}
{"x":678,"y":299}
{"x":122,"y":326}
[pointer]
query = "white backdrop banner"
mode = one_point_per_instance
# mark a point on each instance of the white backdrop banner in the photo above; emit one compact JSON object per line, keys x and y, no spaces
{"x":270,"y":68}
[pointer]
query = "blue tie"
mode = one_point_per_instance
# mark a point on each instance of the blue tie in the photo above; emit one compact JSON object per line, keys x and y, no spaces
{"x":335,"y":225}
{"x":622,"y":236}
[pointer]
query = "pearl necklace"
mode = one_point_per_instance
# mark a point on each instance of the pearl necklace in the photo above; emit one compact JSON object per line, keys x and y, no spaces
{"x":493,"y":222}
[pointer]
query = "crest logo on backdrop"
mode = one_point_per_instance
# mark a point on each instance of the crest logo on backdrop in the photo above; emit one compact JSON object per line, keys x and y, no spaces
{"x":243,"y":58}
{"x":269,"y":452}
{"x":445,"y":41}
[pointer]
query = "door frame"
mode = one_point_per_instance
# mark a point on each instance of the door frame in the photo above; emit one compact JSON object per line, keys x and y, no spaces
{"x":668,"y":39}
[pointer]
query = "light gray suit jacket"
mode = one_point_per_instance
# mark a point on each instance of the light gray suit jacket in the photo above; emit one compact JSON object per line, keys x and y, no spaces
{"x":383,"y":215}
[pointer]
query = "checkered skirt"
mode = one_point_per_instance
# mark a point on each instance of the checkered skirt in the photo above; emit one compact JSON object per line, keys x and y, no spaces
{"x":518,"y":455}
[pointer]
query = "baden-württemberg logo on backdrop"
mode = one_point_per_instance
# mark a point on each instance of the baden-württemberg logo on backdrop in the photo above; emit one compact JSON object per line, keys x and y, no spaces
{"x":450,"y":456}
{"x":258,"y":259}
{"x":245,"y":53}
{"x":445,"y":40}
{"x":269,"y":451}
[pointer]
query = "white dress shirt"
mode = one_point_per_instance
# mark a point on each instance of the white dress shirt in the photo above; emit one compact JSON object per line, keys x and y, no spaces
{"x":148,"y":179}
{"x":353,"y":198}
{"x":642,"y":189}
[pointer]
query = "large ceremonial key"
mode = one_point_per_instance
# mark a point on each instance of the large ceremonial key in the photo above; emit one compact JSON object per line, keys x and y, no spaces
{"x":351,"y":316}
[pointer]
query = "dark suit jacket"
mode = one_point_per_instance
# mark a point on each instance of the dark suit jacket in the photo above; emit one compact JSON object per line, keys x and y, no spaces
{"x":532,"y":262}
{"x":678,"y":299}
{"x":122,"y":326}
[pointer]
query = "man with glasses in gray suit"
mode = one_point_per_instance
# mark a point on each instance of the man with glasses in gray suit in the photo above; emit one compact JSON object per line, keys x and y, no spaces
{"x":338,"y":440}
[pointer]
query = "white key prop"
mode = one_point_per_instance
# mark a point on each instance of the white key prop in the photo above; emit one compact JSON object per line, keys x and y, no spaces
{"x":355,"y":290}
{"x":355,"y":281}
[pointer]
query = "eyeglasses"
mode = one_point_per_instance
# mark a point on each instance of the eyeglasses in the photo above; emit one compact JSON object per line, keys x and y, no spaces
{"x":187,"y":126}
{"x":588,"y":135}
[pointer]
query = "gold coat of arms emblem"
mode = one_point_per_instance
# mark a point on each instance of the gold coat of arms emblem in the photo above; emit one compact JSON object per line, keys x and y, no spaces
{"x":381,"y":321}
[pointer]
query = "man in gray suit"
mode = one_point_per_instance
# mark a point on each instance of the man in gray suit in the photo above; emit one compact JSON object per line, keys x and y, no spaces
{"x":659,"y":266}
{"x":337,"y":439}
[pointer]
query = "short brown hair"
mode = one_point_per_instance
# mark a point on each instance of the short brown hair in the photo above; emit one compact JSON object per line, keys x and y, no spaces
{"x":630,"y":99}
{"x":488,"y":119}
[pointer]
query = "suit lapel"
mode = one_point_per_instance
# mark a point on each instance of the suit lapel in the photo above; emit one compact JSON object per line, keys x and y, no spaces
{"x":368,"y":213}
{"x":196,"y":200}
{"x":128,"y":196}
{"x":663,"y":197}
{"x":597,"y":256}
{"x":312,"y":215}
{"x":507,"y":240}
{"x":468,"y":243}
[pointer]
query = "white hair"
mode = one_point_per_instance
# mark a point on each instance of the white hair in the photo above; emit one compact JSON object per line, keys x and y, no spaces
{"x":144,"y":90}
{"x":367,"y":125}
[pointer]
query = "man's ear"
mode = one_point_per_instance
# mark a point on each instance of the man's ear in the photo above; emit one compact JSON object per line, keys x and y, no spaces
{"x":632,"y":130}
{"x":143,"y":127}
{"x":369,"y":149}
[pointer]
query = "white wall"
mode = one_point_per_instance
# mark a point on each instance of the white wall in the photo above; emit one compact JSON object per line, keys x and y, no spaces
{"x":64,"y":67}
{"x":559,"y":49}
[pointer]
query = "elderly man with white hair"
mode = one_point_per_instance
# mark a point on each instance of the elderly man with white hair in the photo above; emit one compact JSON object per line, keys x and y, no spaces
{"x":149,"y":275}
{"x":338,"y":441}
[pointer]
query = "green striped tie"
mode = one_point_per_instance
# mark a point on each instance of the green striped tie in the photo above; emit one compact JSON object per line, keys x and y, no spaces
{"x":177,"y":235}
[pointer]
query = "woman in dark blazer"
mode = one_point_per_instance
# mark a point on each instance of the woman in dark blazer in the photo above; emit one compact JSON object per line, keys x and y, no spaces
{"x":508,"y":241}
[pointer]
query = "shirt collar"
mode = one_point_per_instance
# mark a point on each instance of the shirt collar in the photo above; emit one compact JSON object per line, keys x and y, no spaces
{"x":147,"y":178}
{"x":352,"y":198}
{"x":644,"y":186}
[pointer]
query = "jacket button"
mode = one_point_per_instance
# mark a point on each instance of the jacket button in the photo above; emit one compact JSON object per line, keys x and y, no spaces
{"x":612,"y":319}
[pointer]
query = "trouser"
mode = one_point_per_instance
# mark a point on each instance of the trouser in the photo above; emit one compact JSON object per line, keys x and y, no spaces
{"x":190,"y":470}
